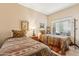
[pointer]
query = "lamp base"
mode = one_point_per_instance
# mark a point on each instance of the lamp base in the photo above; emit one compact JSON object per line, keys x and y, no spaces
{"x":33,"y":33}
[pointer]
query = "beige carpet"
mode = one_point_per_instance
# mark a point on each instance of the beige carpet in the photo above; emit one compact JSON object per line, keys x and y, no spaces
{"x":73,"y":51}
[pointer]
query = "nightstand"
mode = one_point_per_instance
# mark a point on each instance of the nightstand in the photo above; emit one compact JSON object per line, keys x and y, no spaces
{"x":35,"y":37}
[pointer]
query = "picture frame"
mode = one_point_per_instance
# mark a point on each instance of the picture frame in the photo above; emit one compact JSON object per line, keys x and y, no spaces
{"x":48,"y":30}
{"x":42,"y":25}
{"x":24,"y":25}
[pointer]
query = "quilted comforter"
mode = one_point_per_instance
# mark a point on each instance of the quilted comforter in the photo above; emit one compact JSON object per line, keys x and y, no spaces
{"x":24,"y":47}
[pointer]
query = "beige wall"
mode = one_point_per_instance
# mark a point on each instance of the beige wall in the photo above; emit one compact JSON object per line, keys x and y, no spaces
{"x":69,"y":12}
{"x":11,"y":14}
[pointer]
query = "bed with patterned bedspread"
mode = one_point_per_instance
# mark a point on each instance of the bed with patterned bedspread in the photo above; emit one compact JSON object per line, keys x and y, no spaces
{"x":24,"y":47}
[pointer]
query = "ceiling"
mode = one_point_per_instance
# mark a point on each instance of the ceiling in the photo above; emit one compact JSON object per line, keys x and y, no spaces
{"x":47,"y":8}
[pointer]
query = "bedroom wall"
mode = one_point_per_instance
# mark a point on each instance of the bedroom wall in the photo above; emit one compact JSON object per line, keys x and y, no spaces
{"x":12,"y":14}
{"x":69,"y":12}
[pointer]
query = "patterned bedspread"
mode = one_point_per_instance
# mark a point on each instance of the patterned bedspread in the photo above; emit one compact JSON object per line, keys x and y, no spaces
{"x":24,"y":47}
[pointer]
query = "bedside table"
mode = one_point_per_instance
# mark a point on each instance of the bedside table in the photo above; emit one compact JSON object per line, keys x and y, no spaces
{"x":35,"y":37}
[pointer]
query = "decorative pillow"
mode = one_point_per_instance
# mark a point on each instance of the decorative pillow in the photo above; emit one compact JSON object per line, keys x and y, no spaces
{"x":42,"y":31}
{"x":18,"y":33}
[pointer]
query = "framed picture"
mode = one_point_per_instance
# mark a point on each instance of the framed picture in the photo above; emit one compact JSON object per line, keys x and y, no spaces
{"x":24,"y":25}
{"x":48,"y":30}
{"x":41,"y":25}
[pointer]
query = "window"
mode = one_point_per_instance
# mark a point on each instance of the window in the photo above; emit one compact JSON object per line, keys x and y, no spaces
{"x":62,"y":28}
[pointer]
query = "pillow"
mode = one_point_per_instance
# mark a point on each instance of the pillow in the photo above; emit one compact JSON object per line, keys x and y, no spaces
{"x":42,"y":31}
{"x":18,"y":33}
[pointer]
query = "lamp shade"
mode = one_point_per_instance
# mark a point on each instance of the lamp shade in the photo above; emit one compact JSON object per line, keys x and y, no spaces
{"x":32,"y":28}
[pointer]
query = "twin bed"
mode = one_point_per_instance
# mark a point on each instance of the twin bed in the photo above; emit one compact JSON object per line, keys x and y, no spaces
{"x":24,"y":47}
